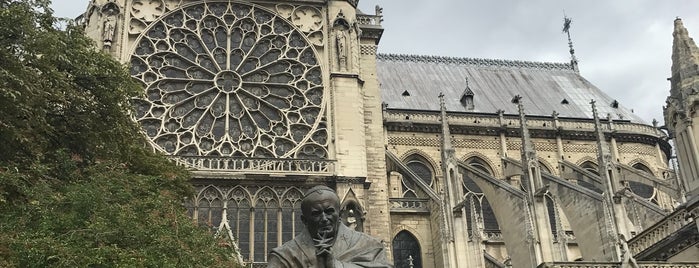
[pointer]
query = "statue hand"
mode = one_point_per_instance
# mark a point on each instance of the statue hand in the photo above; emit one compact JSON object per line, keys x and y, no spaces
{"x":325,"y":258}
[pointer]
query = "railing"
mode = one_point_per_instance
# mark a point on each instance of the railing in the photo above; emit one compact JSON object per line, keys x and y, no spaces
{"x":409,"y":204}
{"x":493,"y":235}
{"x":511,"y":121}
{"x":663,"y":229}
{"x":373,"y":20}
{"x":257,"y":165}
{"x":616,"y":265}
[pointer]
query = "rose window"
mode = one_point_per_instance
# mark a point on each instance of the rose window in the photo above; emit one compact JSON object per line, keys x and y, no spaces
{"x":229,"y":79}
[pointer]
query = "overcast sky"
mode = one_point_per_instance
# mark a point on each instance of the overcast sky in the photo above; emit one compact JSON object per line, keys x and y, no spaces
{"x":623,"y":46}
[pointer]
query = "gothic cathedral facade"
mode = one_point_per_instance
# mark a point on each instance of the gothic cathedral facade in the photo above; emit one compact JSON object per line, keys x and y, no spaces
{"x":451,"y":162}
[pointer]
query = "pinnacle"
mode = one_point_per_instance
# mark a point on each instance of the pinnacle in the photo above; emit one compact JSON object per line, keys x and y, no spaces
{"x":685,"y":54}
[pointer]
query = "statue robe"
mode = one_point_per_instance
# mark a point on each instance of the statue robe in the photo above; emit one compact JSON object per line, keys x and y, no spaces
{"x":351,"y":249}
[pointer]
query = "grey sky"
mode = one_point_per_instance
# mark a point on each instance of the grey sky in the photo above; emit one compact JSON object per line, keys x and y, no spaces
{"x":623,"y":46}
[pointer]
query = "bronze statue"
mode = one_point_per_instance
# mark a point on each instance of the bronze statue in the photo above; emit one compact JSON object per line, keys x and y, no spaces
{"x":326,"y":242}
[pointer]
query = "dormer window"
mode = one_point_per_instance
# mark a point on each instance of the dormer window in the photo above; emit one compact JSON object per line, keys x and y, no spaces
{"x":467,"y":98}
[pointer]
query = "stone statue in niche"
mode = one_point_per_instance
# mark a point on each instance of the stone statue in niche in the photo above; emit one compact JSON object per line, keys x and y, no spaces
{"x":110,"y":10}
{"x":108,"y":31}
{"x":341,"y":29}
{"x":351,"y":220}
{"x":325,"y":242}
{"x":353,"y":217}
{"x":341,"y":46}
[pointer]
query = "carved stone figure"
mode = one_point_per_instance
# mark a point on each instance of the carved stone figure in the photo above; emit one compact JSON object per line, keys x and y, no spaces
{"x":627,"y":260}
{"x":341,"y":45}
{"x":351,"y":220}
{"x":326,"y":242}
{"x":108,"y":31}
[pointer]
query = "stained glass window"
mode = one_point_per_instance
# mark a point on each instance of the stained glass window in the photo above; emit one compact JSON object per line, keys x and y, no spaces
{"x":642,"y":189}
{"x":229,"y":79}
{"x":406,"y":250}
{"x":478,"y":199}
{"x":254,"y":216}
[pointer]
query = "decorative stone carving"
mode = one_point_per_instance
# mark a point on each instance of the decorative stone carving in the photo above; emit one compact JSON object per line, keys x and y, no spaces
{"x":147,"y":10}
{"x":229,"y":79}
{"x":110,"y":11}
{"x":368,"y":49}
{"x":108,"y":29}
{"x":307,"y":19}
{"x":341,"y":31}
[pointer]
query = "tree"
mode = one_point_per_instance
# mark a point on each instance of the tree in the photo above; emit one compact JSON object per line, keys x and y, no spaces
{"x":78,"y":184}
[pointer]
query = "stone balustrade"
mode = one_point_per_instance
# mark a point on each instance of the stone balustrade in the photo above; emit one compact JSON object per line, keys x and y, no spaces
{"x":616,"y":265}
{"x":493,"y":236}
{"x":512,"y":121}
{"x":409,"y":204}
{"x":663,"y":229}
{"x":257,"y":165}
{"x":373,"y":20}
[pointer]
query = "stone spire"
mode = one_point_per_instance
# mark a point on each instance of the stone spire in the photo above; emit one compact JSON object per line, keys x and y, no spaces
{"x":449,"y":197}
{"x":681,"y":104}
{"x":685,"y":63}
{"x":531,"y":179}
{"x":615,"y":210}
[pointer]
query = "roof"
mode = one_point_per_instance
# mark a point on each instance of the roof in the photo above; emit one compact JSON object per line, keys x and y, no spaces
{"x":414,"y":82}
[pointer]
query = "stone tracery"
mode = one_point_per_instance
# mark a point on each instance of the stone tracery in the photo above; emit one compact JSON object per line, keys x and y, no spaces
{"x":230,"y":79}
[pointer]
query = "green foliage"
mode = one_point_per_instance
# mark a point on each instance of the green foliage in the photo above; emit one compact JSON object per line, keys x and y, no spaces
{"x":78,"y":188}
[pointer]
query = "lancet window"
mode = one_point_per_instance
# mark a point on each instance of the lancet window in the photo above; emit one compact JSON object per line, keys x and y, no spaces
{"x":259,"y":219}
{"x":406,"y":250}
{"x":479,"y":214}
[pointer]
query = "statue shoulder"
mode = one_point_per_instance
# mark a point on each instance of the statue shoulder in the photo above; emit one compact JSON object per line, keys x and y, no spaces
{"x":357,"y":236}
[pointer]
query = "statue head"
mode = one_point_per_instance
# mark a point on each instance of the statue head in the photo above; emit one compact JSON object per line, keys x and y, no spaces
{"x":320,"y":211}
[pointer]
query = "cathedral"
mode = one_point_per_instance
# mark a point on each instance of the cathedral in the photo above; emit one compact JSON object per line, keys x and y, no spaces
{"x":450,"y":162}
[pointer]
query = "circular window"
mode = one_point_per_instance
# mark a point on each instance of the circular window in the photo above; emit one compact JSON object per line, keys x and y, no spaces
{"x":229,"y":79}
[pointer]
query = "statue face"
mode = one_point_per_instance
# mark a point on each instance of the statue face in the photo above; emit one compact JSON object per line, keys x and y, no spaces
{"x":322,"y":213}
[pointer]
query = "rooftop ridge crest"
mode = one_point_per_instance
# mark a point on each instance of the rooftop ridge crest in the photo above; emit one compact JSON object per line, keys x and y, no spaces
{"x":475,"y":61}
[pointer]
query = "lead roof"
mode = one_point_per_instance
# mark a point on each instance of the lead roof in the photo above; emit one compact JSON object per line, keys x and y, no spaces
{"x":543,"y":86}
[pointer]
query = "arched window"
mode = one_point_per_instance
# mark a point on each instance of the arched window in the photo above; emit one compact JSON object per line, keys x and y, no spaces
{"x":641,"y":189}
{"x":477,"y":200}
{"x":421,"y":170}
{"x":553,"y":215}
{"x":406,"y":249}
{"x":418,"y":165}
{"x":254,"y":218}
{"x":592,"y":168}
{"x":544,"y":168}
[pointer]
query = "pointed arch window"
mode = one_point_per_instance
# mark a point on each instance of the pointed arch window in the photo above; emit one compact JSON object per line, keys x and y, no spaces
{"x":641,"y":189}
{"x":479,"y":212}
{"x":424,"y":172}
{"x":554,"y":216}
{"x":592,"y":168}
{"x":406,"y":250}
{"x":255,"y":216}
